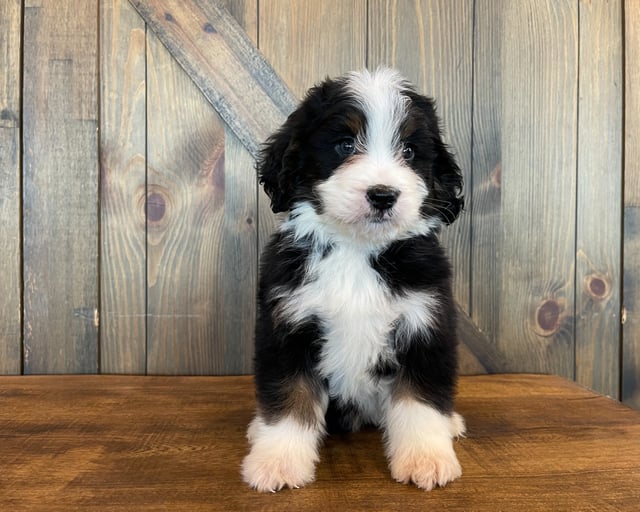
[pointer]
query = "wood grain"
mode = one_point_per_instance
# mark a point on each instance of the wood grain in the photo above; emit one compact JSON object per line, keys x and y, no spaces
{"x":631,"y":290}
{"x":197,"y":30}
{"x":123,"y":175}
{"x":202,"y":250}
{"x":539,"y":126}
{"x":241,"y":218}
{"x":632,"y":102}
{"x":185,"y":214}
{"x":60,"y":187}
{"x":245,"y":13}
{"x":338,"y":45}
{"x":534,"y":442}
{"x":237,"y":260}
{"x":486,"y":193}
{"x":600,"y":174}
{"x":10,"y":235}
{"x":431,"y":42}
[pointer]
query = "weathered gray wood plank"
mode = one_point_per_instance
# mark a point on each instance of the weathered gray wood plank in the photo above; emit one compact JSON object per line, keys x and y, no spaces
{"x":238,"y":262}
{"x":338,"y":43}
{"x":539,"y":126}
{"x":10,"y":243}
{"x":185,"y":210}
{"x":431,"y":42}
{"x":60,"y":187}
{"x":237,"y":320}
{"x":631,"y":292}
{"x":599,"y":213}
{"x":197,"y":31}
{"x":123,"y":174}
{"x":486,"y":195}
{"x":201,"y":222}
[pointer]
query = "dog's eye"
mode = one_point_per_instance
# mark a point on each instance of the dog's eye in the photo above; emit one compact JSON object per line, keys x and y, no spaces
{"x":346,"y":147}
{"x":408,"y":153}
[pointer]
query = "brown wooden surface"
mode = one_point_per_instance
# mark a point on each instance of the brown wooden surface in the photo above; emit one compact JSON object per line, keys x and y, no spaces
{"x":10,"y":256}
{"x":631,"y":263}
{"x":60,"y":187}
{"x":176,"y":443}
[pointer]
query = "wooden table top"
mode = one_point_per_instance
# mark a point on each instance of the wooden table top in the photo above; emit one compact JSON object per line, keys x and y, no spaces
{"x":176,"y":443}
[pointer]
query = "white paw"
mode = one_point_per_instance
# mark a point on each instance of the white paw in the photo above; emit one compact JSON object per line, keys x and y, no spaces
{"x":282,"y":455}
{"x":272,"y":473}
{"x":426,"y":468}
{"x":419,"y":443}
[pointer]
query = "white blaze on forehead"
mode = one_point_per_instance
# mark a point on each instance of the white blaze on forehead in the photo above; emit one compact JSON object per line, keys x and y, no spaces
{"x":379,"y":94}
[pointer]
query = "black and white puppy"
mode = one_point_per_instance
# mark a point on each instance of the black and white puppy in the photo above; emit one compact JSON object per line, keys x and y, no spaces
{"x":356,"y":316}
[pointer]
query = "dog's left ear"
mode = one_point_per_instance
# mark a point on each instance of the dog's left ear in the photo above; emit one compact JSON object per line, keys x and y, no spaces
{"x":446,"y":175}
{"x":447,"y":182}
{"x":277,"y":162}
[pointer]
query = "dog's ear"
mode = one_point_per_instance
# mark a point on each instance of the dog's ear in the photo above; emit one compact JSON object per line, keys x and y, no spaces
{"x":277,"y":160}
{"x":447,"y":182}
{"x":282,"y":160}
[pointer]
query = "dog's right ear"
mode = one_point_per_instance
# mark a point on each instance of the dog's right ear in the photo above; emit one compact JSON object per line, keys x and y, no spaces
{"x":277,"y":163}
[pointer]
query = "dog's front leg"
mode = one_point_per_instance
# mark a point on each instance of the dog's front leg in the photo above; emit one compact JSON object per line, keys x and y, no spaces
{"x":419,"y":421}
{"x":419,"y":443}
{"x":284,"y":452}
{"x":286,"y":433}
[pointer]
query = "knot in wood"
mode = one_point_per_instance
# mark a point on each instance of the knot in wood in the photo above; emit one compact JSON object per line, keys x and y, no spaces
{"x":156,"y":207}
{"x":548,"y":317}
{"x":598,"y":286}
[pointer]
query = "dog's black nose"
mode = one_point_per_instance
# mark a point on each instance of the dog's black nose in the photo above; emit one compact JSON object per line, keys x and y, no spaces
{"x":382,"y":197}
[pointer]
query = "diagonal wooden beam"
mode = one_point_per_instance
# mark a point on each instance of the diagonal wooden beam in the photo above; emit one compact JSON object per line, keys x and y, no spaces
{"x":480,"y":346}
{"x":223,"y":62}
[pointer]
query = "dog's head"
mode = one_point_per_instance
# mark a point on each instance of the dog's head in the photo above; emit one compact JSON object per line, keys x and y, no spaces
{"x":365,"y":152}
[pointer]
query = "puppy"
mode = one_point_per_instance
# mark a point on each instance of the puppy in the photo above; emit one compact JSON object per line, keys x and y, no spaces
{"x":355,"y":311}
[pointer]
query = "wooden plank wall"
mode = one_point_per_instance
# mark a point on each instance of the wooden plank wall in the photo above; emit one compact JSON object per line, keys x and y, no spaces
{"x":10,"y":142}
{"x":60,"y":187}
{"x":131,"y":218}
{"x":631,"y":261}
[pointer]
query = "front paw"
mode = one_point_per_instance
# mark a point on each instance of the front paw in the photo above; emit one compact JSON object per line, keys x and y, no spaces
{"x":419,"y":443}
{"x":266,"y":471}
{"x":283,"y":454}
{"x":426,"y":467}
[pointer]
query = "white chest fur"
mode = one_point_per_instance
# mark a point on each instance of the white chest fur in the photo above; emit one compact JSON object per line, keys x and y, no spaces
{"x":358,"y":314}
